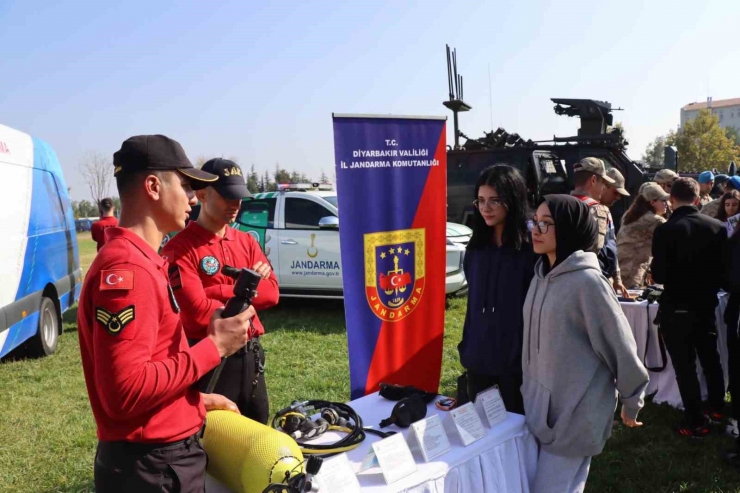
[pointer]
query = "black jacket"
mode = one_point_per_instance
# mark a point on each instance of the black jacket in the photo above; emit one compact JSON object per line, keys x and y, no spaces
{"x":732,"y":265}
{"x":688,"y":259}
{"x":498,"y":280}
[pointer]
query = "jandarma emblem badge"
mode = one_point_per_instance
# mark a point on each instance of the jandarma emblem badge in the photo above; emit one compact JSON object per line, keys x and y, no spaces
{"x":394,"y":272}
{"x":209,"y":265}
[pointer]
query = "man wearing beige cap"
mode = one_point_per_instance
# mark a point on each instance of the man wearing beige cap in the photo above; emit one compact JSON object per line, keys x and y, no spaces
{"x":665,"y":178}
{"x":590,"y":178}
{"x":615,"y":191}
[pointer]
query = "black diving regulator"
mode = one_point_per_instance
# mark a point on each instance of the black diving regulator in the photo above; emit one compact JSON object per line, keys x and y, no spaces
{"x":296,"y":421}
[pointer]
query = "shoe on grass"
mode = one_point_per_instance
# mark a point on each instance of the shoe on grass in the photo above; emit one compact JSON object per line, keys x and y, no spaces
{"x":693,"y":432}
{"x":731,"y":428}
{"x":714,"y":417}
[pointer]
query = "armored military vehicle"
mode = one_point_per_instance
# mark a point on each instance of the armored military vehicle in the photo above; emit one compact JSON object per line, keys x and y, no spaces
{"x":547,"y":165}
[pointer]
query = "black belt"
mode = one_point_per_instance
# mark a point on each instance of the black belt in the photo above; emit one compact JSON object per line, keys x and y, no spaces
{"x":140,"y":448}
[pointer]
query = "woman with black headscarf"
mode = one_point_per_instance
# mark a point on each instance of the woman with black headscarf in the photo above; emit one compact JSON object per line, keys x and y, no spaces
{"x":578,"y":349}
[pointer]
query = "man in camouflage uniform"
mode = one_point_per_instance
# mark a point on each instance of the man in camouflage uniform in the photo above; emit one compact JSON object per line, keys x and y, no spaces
{"x":590,"y":178}
{"x":613,"y":192}
{"x":711,"y":208}
{"x":665,"y":178}
{"x":706,"y":183}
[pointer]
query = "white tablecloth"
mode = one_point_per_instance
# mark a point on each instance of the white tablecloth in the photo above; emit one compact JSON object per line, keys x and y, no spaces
{"x":663,"y":384}
{"x":504,"y":461}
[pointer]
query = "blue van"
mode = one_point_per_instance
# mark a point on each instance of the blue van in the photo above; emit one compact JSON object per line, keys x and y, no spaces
{"x":82,"y":225}
{"x":40,"y":271}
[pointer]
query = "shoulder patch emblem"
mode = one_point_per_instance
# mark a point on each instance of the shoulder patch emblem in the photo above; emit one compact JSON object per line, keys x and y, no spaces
{"x":114,"y":323}
{"x":116,"y":279}
{"x":209,"y":265}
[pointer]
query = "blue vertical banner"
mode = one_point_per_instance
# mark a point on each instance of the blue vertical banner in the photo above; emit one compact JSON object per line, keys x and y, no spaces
{"x":391,"y":186}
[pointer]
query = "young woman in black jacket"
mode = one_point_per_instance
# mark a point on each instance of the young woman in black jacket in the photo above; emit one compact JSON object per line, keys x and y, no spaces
{"x":499,"y":265}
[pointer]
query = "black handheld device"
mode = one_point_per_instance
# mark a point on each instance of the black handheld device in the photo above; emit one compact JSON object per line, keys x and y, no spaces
{"x":245,"y":289}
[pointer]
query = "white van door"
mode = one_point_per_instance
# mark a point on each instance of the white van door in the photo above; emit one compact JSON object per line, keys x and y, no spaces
{"x":257,"y":218}
{"x":309,"y":256}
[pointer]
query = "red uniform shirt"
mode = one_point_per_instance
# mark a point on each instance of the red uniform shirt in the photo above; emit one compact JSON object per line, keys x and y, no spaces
{"x":138,"y":367}
{"x":97,"y":230}
{"x":196,"y":256}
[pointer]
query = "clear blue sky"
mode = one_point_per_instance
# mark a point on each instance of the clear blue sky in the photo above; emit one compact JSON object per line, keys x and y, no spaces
{"x":259,"y":80}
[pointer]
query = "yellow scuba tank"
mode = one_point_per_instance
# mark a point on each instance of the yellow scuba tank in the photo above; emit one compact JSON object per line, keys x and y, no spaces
{"x":247,"y":456}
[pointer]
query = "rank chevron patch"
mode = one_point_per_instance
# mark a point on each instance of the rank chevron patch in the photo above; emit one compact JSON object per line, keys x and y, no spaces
{"x":114,"y":323}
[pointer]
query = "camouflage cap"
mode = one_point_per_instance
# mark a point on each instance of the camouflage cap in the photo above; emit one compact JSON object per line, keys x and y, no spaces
{"x":615,"y":175}
{"x":653,"y":191}
{"x":666,"y":176}
{"x":593,"y":165}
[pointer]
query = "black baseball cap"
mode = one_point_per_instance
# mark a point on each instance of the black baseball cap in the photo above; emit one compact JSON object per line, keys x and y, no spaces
{"x":156,"y":152}
{"x":230,"y":184}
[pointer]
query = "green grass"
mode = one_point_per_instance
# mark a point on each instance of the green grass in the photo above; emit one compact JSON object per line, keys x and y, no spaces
{"x":88,"y":249}
{"x":47,"y":434}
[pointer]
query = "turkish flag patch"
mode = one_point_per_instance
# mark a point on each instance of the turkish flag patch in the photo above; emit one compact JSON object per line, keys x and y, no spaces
{"x":116,"y":279}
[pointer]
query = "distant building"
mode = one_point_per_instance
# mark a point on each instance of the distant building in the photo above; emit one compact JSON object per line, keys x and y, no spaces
{"x":727,"y":110}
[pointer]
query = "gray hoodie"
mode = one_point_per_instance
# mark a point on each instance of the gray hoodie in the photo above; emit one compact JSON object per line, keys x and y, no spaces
{"x":577,"y":346}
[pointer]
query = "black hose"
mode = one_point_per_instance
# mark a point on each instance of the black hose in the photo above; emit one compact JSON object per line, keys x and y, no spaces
{"x":354,"y":438}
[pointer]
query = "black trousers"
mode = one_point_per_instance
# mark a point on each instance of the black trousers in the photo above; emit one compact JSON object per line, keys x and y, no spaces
{"x":732,"y":319}
{"x":509,"y":386}
{"x":689,"y":334}
{"x":243,"y":382}
{"x":123,"y":467}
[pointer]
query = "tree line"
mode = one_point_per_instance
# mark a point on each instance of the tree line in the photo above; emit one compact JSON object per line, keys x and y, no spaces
{"x":96,"y":168}
{"x":702,"y":145}
{"x":267,"y":182}
{"x":85,"y":208}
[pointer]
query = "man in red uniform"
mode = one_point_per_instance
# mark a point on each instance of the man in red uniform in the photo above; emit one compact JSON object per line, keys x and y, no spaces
{"x":138,"y":367}
{"x":107,"y":220}
{"x":197,"y":255}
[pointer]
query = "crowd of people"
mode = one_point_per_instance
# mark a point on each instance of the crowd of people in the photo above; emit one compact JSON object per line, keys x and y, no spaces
{"x":544,"y":320}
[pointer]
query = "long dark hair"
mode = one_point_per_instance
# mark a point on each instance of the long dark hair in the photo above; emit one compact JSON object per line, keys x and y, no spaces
{"x":639,"y":208}
{"x":512,"y":191}
{"x":721,"y":213}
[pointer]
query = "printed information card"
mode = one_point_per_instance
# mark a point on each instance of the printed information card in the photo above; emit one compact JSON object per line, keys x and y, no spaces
{"x":336,"y":476}
{"x":490,"y":405}
{"x":430,"y":437}
{"x":395,"y":458}
{"x":465,"y":423}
